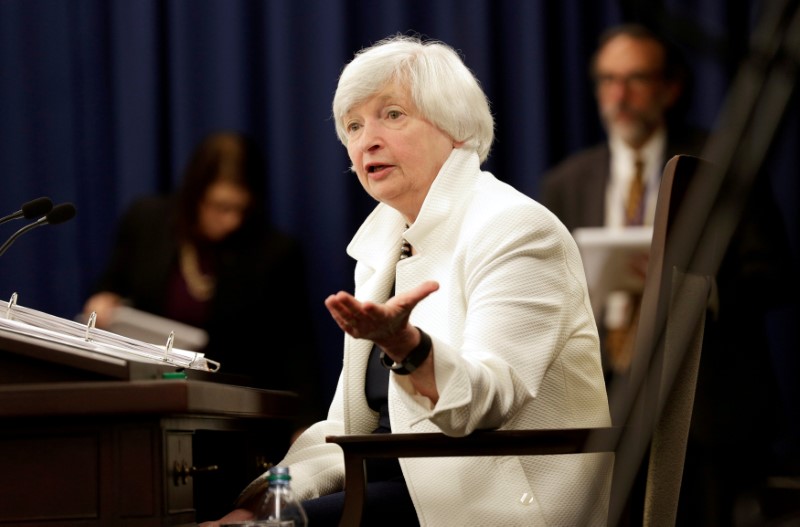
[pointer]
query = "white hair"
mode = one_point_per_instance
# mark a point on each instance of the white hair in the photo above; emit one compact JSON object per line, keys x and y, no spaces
{"x":442,"y":87}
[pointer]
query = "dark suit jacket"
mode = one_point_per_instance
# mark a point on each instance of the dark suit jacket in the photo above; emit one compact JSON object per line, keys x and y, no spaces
{"x":574,"y":190}
{"x":260,"y":293}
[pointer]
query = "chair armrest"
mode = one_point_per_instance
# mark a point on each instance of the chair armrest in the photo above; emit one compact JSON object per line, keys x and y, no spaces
{"x":357,"y":448}
{"x":479,"y":443}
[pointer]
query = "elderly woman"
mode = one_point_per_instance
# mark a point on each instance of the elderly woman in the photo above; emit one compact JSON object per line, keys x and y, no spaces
{"x":470,"y":312}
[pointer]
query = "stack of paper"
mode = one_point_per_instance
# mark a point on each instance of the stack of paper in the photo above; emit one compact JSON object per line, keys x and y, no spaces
{"x":609,"y":256}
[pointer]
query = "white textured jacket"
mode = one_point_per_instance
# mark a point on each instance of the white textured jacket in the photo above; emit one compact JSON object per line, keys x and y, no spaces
{"x":514,"y":347}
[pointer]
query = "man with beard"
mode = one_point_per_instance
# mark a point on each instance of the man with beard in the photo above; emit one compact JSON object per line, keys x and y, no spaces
{"x":639,"y":80}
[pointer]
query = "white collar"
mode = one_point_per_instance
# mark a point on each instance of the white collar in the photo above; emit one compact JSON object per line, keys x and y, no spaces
{"x":385,"y":226}
{"x":652,"y":153}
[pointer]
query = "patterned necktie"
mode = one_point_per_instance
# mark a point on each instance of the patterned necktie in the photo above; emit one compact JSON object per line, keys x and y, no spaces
{"x":620,"y":337}
{"x":634,"y":208}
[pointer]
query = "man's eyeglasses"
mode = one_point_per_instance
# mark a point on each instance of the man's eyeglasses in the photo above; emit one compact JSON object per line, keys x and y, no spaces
{"x":634,"y":81}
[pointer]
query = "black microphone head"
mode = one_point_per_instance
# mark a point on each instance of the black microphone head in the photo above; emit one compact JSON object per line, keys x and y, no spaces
{"x":37,"y":207}
{"x":61,"y":213}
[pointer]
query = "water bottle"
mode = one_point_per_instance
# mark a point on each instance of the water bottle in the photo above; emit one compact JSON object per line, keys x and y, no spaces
{"x":280,"y":507}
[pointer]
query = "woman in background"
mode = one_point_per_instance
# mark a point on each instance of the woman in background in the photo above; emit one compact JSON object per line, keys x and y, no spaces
{"x":207,"y":256}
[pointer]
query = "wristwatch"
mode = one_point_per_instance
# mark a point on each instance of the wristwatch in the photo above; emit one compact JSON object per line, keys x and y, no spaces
{"x":413,"y":359}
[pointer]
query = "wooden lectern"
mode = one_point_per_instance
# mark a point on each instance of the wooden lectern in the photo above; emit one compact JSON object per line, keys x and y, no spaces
{"x":94,"y":440}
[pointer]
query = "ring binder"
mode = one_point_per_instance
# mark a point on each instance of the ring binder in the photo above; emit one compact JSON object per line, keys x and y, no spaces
{"x":73,"y":336}
{"x":90,"y":324}
{"x":11,"y":303}
{"x":168,"y":347}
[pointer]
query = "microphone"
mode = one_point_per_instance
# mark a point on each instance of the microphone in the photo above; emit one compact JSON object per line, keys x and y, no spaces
{"x":30,"y":210}
{"x":59,"y":214}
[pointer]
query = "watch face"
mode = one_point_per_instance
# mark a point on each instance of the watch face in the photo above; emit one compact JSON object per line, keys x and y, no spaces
{"x":398,"y":368}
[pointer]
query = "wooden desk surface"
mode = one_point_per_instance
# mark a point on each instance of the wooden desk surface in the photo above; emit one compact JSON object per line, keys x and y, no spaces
{"x":144,"y":397}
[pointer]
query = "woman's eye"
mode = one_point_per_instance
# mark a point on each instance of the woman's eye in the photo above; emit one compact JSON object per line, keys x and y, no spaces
{"x":352,"y":127}
{"x":393,"y":114}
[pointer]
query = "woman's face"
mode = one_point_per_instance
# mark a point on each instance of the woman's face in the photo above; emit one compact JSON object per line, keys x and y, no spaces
{"x":395,"y":152}
{"x":222,"y":210}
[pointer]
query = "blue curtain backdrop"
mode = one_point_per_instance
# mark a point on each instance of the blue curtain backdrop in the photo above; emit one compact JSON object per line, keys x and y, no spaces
{"x":102,"y":101}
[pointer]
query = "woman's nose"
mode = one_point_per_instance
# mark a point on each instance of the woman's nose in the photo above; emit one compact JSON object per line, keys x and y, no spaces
{"x":370,"y":136}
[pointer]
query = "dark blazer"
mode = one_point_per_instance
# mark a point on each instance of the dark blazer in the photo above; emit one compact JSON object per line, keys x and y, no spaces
{"x":737,"y":414}
{"x":574,"y":190}
{"x":260,"y":293}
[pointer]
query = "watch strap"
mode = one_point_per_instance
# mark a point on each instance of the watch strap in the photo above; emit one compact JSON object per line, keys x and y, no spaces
{"x":413,"y":360}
